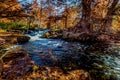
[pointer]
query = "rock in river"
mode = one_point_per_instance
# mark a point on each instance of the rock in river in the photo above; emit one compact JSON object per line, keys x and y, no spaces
{"x":22,"y":39}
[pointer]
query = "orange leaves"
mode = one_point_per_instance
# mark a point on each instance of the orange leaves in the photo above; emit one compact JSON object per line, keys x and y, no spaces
{"x":11,"y":10}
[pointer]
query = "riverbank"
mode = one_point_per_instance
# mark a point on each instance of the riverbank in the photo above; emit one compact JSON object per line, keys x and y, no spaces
{"x":10,"y":38}
{"x":76,"y":35}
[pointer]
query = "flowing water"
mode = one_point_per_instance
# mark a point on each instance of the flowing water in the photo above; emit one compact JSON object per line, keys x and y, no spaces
{"x":100,"y":60}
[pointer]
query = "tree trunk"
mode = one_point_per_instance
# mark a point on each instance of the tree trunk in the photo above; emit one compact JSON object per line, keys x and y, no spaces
{"x":41,"y":14}
{"x":86,"y":16}
{"x":98,"y":12}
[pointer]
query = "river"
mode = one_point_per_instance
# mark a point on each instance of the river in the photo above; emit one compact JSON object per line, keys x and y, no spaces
{"x":99,"y":59}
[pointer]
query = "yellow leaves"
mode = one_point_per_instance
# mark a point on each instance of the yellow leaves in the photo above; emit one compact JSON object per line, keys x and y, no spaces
{"x":9,"y":5}
{"x":2,"y":6}
{"x":100,"y":9}
{"x":55,"y":73}
{"x":4,"y":20}
{"x":1,"y":30}
{"x":116,"y":23}
{"x":10,"y":8}
{"x":35,"y":67}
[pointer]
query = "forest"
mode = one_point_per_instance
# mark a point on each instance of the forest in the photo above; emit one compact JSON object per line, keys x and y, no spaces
{"x":59,"y":39}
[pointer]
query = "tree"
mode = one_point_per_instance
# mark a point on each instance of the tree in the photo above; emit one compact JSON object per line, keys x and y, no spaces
{"x":97,"y":11}
{"x":35,"y":13}
{"x":86,"y":15}
{"x":11,"y":10}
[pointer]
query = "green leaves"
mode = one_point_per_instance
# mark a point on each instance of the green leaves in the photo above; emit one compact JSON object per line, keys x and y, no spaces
{"x":13,"y":25}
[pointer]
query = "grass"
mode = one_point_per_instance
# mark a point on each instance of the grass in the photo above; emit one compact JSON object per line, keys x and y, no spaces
{"x":13,"y":25}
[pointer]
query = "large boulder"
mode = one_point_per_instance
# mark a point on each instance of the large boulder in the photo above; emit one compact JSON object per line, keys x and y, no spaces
{"x":13,"y":38}
{"x":17,"y":63}
{"x":22,"y":39}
